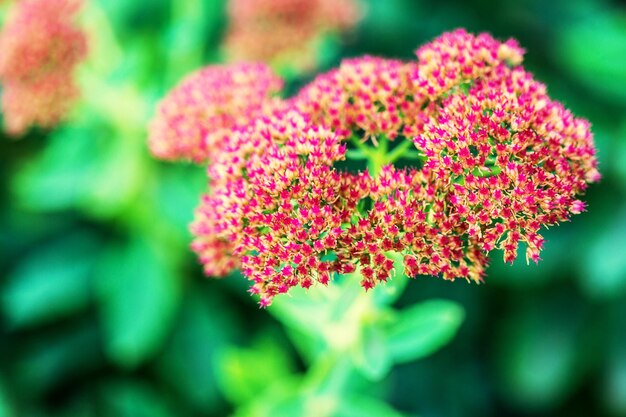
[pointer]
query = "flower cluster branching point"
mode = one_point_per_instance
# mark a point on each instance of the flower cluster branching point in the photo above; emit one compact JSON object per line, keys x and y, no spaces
{"x":465,"y":154}
{"x":194,"y":120}
{"x":41,"y":47}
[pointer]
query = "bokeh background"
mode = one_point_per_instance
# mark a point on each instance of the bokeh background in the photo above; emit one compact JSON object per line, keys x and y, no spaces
{"x":105,"y":312}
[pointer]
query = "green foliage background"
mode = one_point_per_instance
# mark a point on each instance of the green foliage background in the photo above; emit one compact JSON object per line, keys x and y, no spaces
{"x":105,"y":312}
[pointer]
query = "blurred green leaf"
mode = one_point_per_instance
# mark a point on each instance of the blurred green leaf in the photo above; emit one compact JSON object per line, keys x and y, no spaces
{"x":139,"y":295}
{"x":300,"y":309}
{"x":130,"y":18}
{"x":615,"y":389}
{"x":594,"y":51}
{"x":324,"y":318}
{"x":6,"y":408}
{"x":56,"y":356}
{"x":194,"y":24}
{"x":178,"y":191}
{"x":188,"y":362}
{"x":128,"y":398}
{"x":308,"y":346}
{"x":372,"y":356}
{"x":52,"y":281}
{"x":85,"y":167}
{"x":244,"y":373}
{"x":79,"y":406}
{"x":540,"y":352}
{"x":281,"y":398}
{"x":56,"y":178}
{"x":424,"y":328}
{"x":612,"y":388}
{"x":618,"y":153}
{"x":294,"y":405}
{"x":604,"y":268}
{"x":364,"y":407}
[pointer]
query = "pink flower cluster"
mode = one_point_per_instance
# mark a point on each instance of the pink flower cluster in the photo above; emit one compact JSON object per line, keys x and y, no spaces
{"x":489,"y":159}
{"x":387,"y":97}
{"x":193,"y":120}
{"x":40,"y":47}
{"x":284,"y":32}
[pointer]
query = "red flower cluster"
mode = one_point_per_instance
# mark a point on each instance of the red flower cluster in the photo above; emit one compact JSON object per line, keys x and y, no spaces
{"x":284,"y":32}
{"x":508,"y":159}
{"x":492,"y":160}
{"x":368,"y":94}
{"x":382,"y":96}
{"x":40,"y":49}
{"x":274,"y":205}
{"x":194,"y":119}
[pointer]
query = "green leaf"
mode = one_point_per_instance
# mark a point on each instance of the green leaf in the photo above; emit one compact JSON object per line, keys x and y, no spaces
{"x":188,"y":362}
{"x":195,"y":23}
{"x":615,"y":392}
{"x":245,"y":372}
{"x":300,"y":309}
{"x":139,"y":296}
{"x":423,"y":329}
{"x":364,"y":407}
{"x":289,"y":403}
{"x":593,"y":51}
{"x":56,"y":356}
{"x":540,"y":352}
{"x":280,"y":398}
{"x":84,"y":166}
{"x":614,"y":375}
{"x":178,"y":191}
{"x":51,"y":282}
{"x":604,"y":268}
{"x":372,"y":357}
{"x":128,"y":398}
{"x":56,"y":179}
{"x":6,"y":407}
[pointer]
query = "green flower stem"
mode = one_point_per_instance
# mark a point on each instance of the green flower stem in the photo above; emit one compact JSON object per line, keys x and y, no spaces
{"x":328,"y":374}
{"x":402,"y":151}
{"x":343,"y":314}
{"x":379,"y":155}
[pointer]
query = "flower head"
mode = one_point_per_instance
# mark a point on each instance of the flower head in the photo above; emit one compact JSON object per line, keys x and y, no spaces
{"x":40,"y":49}
{"x":368,"y":94}
{"x":284,"y":32}
{"x":43,"y":103}
{"x":275,"y":199}
{"x":508,"y":159}
{"x":459,"y":57}
{"x":488,"y":159}
{"x":194,"y":119}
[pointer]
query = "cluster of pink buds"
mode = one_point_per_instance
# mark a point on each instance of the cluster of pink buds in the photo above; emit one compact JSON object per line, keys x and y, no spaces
{"x":465,"y":154}
{"x":275,"y":205}
{"x":40,"y":47}
{"x":194,"y":120}
{"x":285,"y":32}
{"x":368,"y":94}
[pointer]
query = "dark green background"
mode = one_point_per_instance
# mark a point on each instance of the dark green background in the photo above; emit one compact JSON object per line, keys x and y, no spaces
{"x":105,"y":312}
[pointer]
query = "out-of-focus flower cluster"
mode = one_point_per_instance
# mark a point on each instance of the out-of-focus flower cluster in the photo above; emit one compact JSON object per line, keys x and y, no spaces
{"x":41,"y":47}
{"x":488,"y":157}
{"x":194,"y":120}
{"x":285,"y":32}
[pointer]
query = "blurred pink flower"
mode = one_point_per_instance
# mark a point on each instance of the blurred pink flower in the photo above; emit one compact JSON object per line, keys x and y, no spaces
{"x":285,"y":31}
{"x":41,"y":47}
{"x":195,"y":118}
